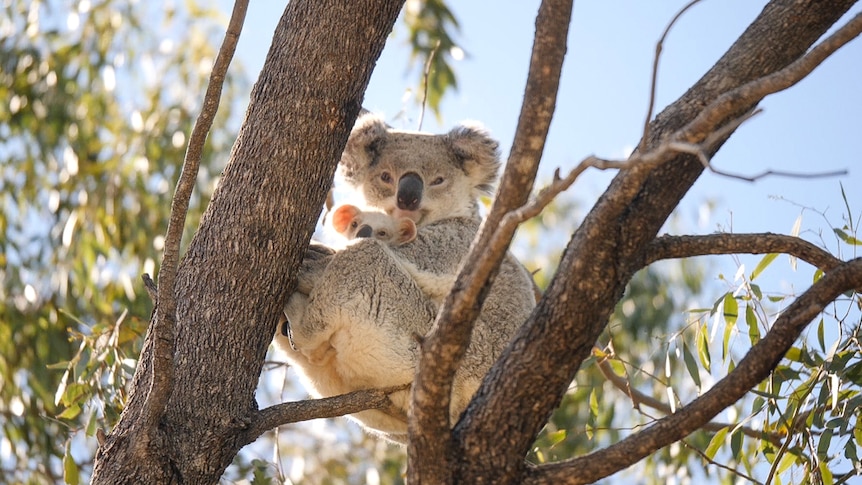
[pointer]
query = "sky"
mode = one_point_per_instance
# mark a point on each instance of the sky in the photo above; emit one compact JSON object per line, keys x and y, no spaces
{"x":813,"y":127}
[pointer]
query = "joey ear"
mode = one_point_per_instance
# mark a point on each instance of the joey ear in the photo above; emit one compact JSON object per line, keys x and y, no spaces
{"x":406,"y":230}
{"x":478,"y":154}
{"x":342,"y":216}
{"x":363,"y":145}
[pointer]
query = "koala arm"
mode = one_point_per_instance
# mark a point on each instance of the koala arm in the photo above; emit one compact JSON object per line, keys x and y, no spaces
{"x":317,"y":258}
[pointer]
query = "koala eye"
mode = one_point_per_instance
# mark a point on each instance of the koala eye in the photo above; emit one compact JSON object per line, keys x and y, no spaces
{"x":354,"y":224}
{"x":437,"y":181}
{"x":386,"y":177}
{"x":382,"y":234}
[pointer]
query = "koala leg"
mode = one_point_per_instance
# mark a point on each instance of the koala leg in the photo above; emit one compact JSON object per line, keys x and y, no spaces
{"x":368,"y":309}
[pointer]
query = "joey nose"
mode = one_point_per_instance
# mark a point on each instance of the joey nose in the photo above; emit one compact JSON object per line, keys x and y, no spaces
{"x":364,"y":231}
{"x":409,"y":192}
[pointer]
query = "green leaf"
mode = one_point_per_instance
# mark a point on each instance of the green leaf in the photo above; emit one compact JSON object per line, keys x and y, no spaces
{"x":715,"y":443}
{"x":736,"y":440}
{"x":71,"y":412}
{"x":92,"y":422}
{"x":821,"y":339}
{"x":731,"y":309}
{"x":703,"y":349}
{"x":766,"y":261}
{"x":751,"y":321}
{"x":758,"y":294}
{"x":690,"y":364}
{"x":731,"y":313}
{"x":846,"y":237}
{"x":794,"y":354}
{"x":825,"y":473}
{"x":71,"y":475}
{"x":818,"y":273}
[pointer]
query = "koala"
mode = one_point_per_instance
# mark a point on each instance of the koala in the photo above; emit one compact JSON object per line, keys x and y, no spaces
{"x":352,"y":223}
{"x":354,"y":320}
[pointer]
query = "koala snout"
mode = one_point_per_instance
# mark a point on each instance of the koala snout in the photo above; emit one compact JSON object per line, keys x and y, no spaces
{"x":409,"y":192}
{"x":364,"y":231}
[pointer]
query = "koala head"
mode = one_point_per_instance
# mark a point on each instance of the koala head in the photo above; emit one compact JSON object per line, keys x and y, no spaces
{"x":420,"y":176}
{"x":351,"y":222}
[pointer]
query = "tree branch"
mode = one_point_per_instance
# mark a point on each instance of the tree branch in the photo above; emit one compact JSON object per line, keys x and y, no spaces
{"x":429,"y":449}
{"x":164,"y":320}
{"x":752,"y":92}
{"x":675,"y":247}
{"x":329,"y":407}
{"x":752,"y":369}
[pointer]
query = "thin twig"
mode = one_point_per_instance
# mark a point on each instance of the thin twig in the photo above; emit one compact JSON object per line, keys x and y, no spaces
{"x":639,"y":398}
{"x":653,"y":81}
{"x":164,"y":321}
{"x":425,"y":77}
{"x":720,"y":465}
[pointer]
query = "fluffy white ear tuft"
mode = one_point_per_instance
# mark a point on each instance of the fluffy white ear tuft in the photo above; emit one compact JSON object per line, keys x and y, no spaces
{"x":363,"y":146}
{"x":478,"y":154}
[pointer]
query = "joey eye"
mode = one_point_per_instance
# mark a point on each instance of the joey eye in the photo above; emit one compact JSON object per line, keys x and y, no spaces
{"x":386,"y":177}
{"x":437,"y":181}
{"x":354,"y":224}
{"x":382,"y":234}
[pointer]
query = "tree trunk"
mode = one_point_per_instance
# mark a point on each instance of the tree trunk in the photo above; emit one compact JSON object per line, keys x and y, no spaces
{"x":234,"y":277}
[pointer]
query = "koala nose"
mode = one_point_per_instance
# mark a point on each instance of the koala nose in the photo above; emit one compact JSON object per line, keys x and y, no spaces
{"x":409,"y":192}
{"x":364,"y":231}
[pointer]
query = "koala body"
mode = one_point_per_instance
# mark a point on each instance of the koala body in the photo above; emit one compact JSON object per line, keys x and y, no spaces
{"x":357,"y":312}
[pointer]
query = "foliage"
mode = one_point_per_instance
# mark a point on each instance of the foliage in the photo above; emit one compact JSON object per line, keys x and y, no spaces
{"x":432,"y":28}
{"x":100,"y":98}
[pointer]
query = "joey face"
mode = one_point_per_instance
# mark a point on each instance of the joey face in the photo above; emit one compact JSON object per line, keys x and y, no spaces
{"x":416,"y":175}
{"x":353,"y":223}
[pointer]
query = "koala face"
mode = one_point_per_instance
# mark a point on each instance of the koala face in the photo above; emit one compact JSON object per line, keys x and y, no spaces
{"x":352,"y":223}
{"x":420,"y":176}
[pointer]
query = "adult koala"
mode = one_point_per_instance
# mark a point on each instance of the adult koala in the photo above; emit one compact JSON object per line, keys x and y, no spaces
{"x":353,"y":322}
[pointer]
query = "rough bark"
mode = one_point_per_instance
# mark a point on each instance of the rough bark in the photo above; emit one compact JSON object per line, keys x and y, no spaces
{"x":232,"y":281}
{"x":529,"y":380}
{"x":429,"y":449}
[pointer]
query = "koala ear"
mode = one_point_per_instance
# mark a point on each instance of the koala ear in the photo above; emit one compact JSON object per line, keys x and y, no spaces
{"x":342,"y":216}
{"x":406,"y":230}
{"x":477,"y":153}
{"x":363,"y":145}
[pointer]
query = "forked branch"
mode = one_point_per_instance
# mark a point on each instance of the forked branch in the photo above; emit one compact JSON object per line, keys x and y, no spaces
{"x":164,"y":320}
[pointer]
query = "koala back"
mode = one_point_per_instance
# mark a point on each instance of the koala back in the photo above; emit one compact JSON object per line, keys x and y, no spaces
{"x":418,"y":175}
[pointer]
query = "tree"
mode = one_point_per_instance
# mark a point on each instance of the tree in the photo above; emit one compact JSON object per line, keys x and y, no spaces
{"x":227,"y":289}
